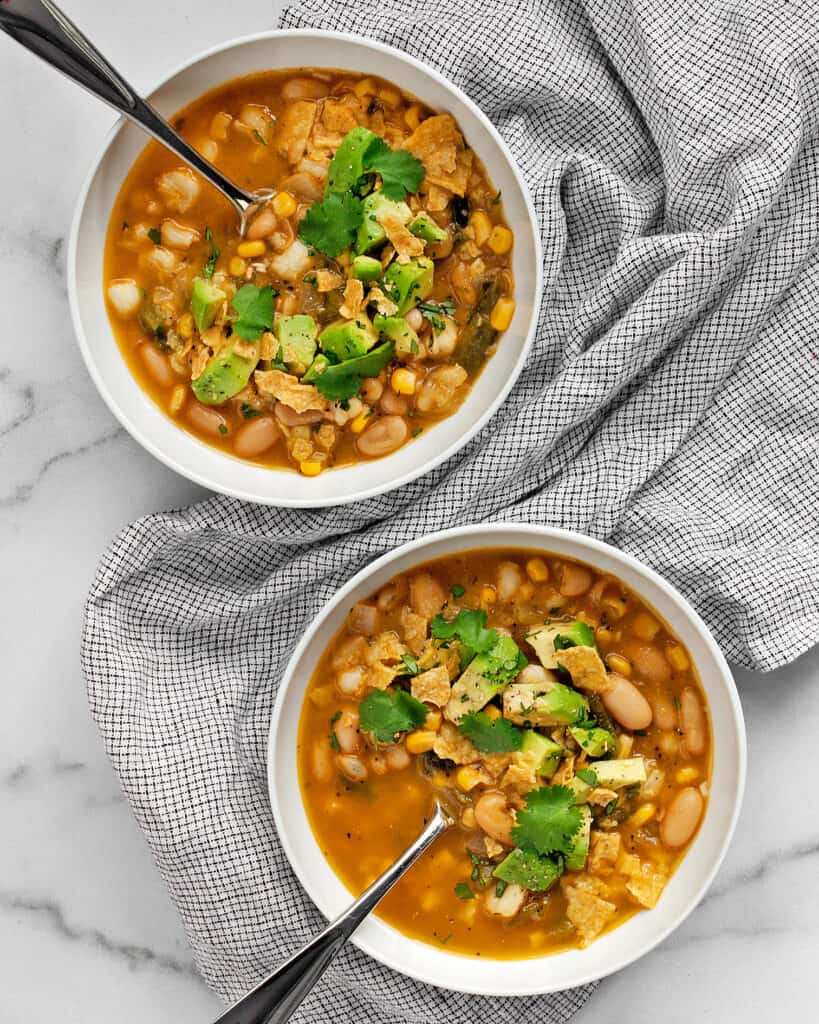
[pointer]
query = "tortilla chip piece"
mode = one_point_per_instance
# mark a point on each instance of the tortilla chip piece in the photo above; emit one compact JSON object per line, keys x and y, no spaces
{"x":385,"y":646}
{"x":384,"y":305}
{"x":605,"y":848}
{"x":586,"y":669}
{"x":587,"y":912}
{"x":341,"y":115}
{"x":286,"y":389}
{"x":353,"y":299}
{"x":646,"y":886}
{"x":432,"y":686}
{"x":439,"y":145}
{"x":452,"y":746}
{"x":520,"y":776}
{"x":414,"y":628}
{"x":379,"y":676}
{"x":327,"y":280}
{"x":404,"y":242}
{"x":294,"y":130}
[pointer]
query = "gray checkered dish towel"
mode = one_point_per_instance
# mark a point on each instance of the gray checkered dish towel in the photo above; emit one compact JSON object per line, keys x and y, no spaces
{"x":670,"y":405}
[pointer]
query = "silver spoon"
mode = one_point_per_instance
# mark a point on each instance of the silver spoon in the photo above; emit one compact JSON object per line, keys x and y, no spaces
{"x":41,"y":27}
{"x":276,"y":998}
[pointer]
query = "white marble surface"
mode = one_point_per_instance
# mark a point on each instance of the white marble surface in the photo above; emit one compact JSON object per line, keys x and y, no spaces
{"x":87,"y":932}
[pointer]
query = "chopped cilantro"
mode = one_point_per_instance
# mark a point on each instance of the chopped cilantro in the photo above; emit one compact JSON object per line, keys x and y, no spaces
{"x":412,"y":665}
{"x":587,"y":775}
{"x":417,"y":431}
{"x":386,"y":715}
{"x":463,"y":892}
{"x":210,"y":265}
{"x":255,"y":308}
{"x":497,"y":198}
{"x":222,"y":429}
{"x":248,"y":412}
{"x":490,"y":736}
{"x":155,"y":236}
{"x":457,"y":590}
{"x":257,"y":135}
{"x":331,"y":736}
{"x":548,"y":822}
{"x":330,"y":226}
{"x":436,"y":311}
{"x":468,"y":626}
{"x":610,"y":806}
{"x":500,"y":887}
{"x":400,"y":171}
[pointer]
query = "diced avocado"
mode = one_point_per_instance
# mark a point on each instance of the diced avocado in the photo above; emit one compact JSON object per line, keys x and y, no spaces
{"x":594,"y":741}
{"x":206,"y":301}
{"x":297,"y":341}
{"x":408,"y":283}
{"x":617,"y":774}
{"x":486,"y":675}
{"x":557,"y":636}
{"x":579,"y":849}
{"x":369,"y":365}
{"x":367,"y":268}
{"x":423,"y":226}
{"x":319,"y":365}
{"x":580,"y":788}
{"x":370,"y":232}
{"x":348,"y":339}
{"x":224,"y":376}
{"x":528,"y":870}
{"x":398,"y":330}
{"x":546,"y":703}
{"x":347,"y":166}
{"x":542,"y":753}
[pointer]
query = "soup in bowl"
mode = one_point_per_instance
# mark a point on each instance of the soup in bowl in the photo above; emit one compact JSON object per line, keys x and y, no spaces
{"x":394,"y":256}
{"x":557,"y":709}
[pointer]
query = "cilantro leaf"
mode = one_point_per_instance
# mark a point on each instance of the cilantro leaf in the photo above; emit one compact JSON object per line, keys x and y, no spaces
{"x":340,"y":381}
{"x":490,"y":736}
{"x":400,"y":171}
{"x":468,"y":626}
{"x":457,"y":590}
{"x":385,"y":715}
{"x":255,"y":308}
{"x":215,"y":252}
{"x":436,"y":311}
{"x":587,"y":775}
{"x":412,"y":666}
{"x":502,"y":661}
{"x":155,"y":236}
{"x":330,"y":226}
{"x":548,"y":821}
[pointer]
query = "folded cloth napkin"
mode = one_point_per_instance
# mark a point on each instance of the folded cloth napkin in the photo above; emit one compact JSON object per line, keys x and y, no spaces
{"x":670,"y":405}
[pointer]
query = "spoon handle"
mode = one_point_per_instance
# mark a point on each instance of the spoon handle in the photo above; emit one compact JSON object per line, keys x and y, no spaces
{"x":41,"y":27}
{"x":275,"y":999}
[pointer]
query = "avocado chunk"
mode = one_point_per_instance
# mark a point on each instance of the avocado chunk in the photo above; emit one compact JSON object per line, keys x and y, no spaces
{"x":529,"y":870}
{"x":224,"y":376}
{"x":297,"y":341}
{"x":398,"y":330}
{"x":617,"y":774}
{"x":541,"y":752}
{"x":423,"y":226}
{"x":369,"y":365}
{"x":557,"y":636}
{"x":367,"y":268}
{"x":580,"y":788}
{"x":409,"y":283}
{"x":370,"y":232}
{"x":546,"y":703}
{"x":579,"y":849}
{"x":487,"y":674}
{"x":347,"y":166}
{"x":206,"y":301}
{"x":594,"y":741}
{"x":348,"y":339}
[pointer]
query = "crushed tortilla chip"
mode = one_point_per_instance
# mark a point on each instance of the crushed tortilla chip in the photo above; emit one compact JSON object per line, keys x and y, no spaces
{"x":353,"y":299}
{"x":405,"y":243}
{"x":646,"y":886}
{"x":587,"y":912}
{"x":286,"y":389}
{"x":327,"y":280}
{"x":379,"y":676}
{"x":341,"y":115}
{"x":603,"y":853}
{"x":385,"y":306}
{"x":294,"y":129}
{"x":432,"y":686}
{"x":245,"y":349}
{"x":586,"y":669}
{"x":385,"y":646}
{"x":439,"y":145}
{"x":414,"y":628}
{"x":452,"y":746}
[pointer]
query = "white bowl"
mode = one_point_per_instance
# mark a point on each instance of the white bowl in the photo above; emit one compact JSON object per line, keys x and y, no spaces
{"x":563,"y":970}
{"x":148,"y":424}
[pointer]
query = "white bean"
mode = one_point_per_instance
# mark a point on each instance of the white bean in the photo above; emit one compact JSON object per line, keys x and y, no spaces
{"x":506,"y":905}
{"x":350,"y":682}
{"x":207,"y":420}
{"x":291,"y":264}
{"x":263,"y":224}
{"x":626,"y":704}
{"x":493,"y":815}
{"x":397,"y":757}
{"x":256,"y":437}
{"x":176,"y":235}
{"x":303,"y":89}
{"x":352,"y":767}
{"x":346,"y":730}
{"x":439,"y":388}
{"x":414,"y":318}
{"x":383,"y":437}
{"x":156,"y":363}
{"x":681,"y":817}
{"x":665,"y":714}
{"x":124,"y":295}
{"x":179,"y":188}
{"x":322,"y":761}
{"x":692,"y":720}
{"x":510,"y":579}
{"x":427,"y":596}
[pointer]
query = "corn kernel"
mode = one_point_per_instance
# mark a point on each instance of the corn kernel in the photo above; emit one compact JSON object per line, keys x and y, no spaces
{"x":219,"y":126}
{"x":237,"y":266}
{"x":526,"y":591}
{"x":687,"y":775}
{"x":678,"y":658}
{"x":487,"y":596}
{"x":247,"y":250}
{"x":604,"y":635}
{"x":492,"y":712}
{"x":433,"y":721}
{"x":178,"y":396}
{"x":481,"y":226}
{"x":284,"y":204}
{"x":366,"y":87}
{"x":502,"y":313}
{"x":412,"y":117}
{"x":391,"y":97}
{"x":468,"y":778}
{"x":361,"y":421}
{"x":185,"y":326}
{"x":645,"y":626}
{"x":468,"y":817}
{"x":420,"y":741}
{"x":310,"y":468}
{"x":617,"y":663}
{"x":403,"y":381}
{"x":537,"y":570}
{"x":642,"y":815}
{"x":500,"y":241}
